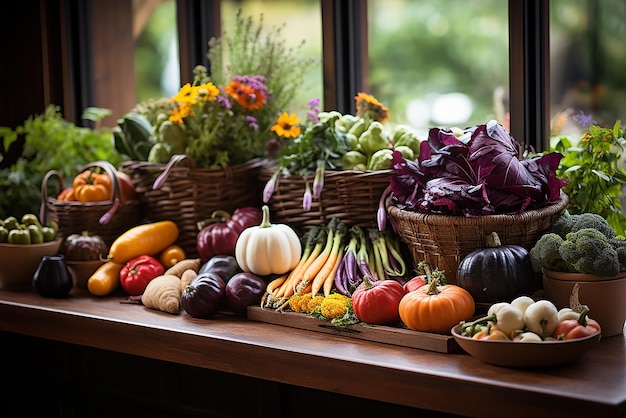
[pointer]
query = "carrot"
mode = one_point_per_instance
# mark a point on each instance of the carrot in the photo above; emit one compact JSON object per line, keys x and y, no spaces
{"x":317,"y":264}
{"x":314,"y":244}
{"x":271,"y":287}
{"x":143,"y":239}
{"x":320,"y":278}
{"x":330,"y":279}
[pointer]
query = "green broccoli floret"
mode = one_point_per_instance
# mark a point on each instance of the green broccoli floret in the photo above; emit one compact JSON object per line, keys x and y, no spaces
{"x":619,"y":244}
{"x":593,"y":221}
{"x":563,"y":224}
{"x":567,"y":223}
{"x":545,"y":253}
{"x":589,"y":251}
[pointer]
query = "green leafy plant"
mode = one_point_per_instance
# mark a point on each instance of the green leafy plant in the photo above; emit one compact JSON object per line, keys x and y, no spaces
{"x":50,"y":143}
{"x":593,"y":171}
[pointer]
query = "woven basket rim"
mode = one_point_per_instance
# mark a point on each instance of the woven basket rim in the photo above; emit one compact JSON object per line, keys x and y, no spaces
{"x":549,"y":209}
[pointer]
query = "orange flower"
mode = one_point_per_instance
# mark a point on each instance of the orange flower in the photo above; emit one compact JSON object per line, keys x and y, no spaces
{"x":287,"y":126}
{"x":368,"y":106}
{"x":245,"y":95}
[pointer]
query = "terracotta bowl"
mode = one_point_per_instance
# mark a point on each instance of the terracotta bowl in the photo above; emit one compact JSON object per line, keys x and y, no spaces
{"x":605,"y":297}
{"x":81,"y":271}
{"x":19,"y":262}
{"x":525,"y":355}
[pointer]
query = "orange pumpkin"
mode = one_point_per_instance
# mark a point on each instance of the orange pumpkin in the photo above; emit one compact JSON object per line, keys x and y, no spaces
{"x":90,"y":186}
{"x":435,"y":308}
{"x":67,"y":195}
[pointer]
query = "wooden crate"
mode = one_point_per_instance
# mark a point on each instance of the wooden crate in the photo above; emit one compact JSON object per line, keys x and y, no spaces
{"x":377,"y":333}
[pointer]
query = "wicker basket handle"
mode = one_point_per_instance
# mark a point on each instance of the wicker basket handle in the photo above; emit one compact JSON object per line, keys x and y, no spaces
{"x":117,"y":197}
{"x":43,"y":209}
{"x":173,"y":162}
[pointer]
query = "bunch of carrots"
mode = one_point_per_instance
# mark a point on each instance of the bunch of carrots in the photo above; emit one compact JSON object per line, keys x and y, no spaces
{"x":335,"y":259}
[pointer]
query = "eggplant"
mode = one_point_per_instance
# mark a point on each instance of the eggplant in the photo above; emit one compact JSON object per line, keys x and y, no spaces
{"x":204,"y":296}
{"x":224,"y":265}
{"x":243,"y":290}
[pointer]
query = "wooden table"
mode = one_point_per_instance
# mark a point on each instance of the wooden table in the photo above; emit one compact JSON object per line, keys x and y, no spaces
{"x":451,"y":383}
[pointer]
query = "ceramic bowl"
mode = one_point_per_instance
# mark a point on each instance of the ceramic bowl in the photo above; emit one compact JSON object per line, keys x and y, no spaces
{"x":525,"y":355}
{"x":19,"y":262}
{"x":81,"y":271}
{"x":605,"y":297}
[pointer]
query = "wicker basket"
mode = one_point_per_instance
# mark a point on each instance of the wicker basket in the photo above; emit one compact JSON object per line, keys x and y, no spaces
{"x":351,"y":196}
{"x":184,"y":194}
{"x":443,"y":241}
{"x":108,"y":219}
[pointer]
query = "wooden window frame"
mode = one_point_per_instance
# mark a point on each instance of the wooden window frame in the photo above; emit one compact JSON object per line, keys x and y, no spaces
{"x":344,"y":31}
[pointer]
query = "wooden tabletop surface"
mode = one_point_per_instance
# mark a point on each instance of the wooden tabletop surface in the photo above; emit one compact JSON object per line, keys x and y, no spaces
{"x":454,"y":383}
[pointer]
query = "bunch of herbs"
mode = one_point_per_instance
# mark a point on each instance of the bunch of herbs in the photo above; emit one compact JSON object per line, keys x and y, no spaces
{"x":50,"y":143}
{"x":593,"y":171}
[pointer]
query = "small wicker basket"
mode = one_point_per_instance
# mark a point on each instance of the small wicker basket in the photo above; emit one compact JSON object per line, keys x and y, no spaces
{"x":443,"y":241}
{"x":351,"y":196}
{"x":108,"y":219}
{"x":184,"y":194}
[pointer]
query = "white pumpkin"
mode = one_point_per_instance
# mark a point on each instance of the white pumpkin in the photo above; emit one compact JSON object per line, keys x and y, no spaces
{"x":268,"y":248}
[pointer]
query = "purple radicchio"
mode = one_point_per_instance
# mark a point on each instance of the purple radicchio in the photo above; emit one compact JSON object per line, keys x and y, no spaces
{"x":479,"y":172}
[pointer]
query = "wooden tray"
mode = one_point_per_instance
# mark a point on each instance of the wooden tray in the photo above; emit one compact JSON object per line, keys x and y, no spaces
{"x":378,"y":333}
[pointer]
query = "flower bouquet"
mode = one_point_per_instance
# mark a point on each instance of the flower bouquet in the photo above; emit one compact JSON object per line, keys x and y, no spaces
{"x":202,"y":147}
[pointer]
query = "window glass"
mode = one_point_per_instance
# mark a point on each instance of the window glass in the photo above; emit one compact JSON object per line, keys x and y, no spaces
{"x":439,"y":62}
{"x":157,"y":68}
{"x":587,"y":61}
{"x":299,"y":21}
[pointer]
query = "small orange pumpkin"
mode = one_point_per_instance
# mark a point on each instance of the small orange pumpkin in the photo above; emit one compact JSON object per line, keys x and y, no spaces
{"x":435,"y":308}
{"x":90,"y":186}
{"x":67,"y":195}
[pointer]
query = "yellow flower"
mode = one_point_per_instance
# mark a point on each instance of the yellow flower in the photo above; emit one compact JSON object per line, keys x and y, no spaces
{"x":180,"y":112}
{"x":333,"y":308}
{"x":207,"y":92}
{"x":186,"y":94}
{"x":313,"y":303}
{"x":287,"y":126}
{"x":368,"y":106}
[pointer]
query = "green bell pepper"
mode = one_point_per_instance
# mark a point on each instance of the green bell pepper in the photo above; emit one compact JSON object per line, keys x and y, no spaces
{"x":19,"y":236}
{"x":380,"y":160}
{"x":406,"y":152}
{"x":352,"y":159}
{"x":173,"y":135}
{"x":11,"y":223}
{"x":49,"y":233}
{"x":30,"y":219}
{"x":4,"y":234}
{"x":36,"y":235}
{"x":373,"y":139}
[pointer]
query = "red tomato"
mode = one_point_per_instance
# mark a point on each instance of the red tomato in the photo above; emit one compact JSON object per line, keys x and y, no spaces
{"x":138,"y":272}
{"x":376,"y":302}
{"x":571,"y":329}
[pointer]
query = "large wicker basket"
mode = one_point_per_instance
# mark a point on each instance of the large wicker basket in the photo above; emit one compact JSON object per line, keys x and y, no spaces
{"x":108,"y":219}
{"x":351,"y":196}
{"x":443,"y":241}
{"x":185,"y":194}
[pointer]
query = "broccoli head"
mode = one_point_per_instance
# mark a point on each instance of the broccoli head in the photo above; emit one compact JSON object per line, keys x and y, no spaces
{"x":589,"y":251}
{"x":567,"y":223}
{"x":545,"y":253}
